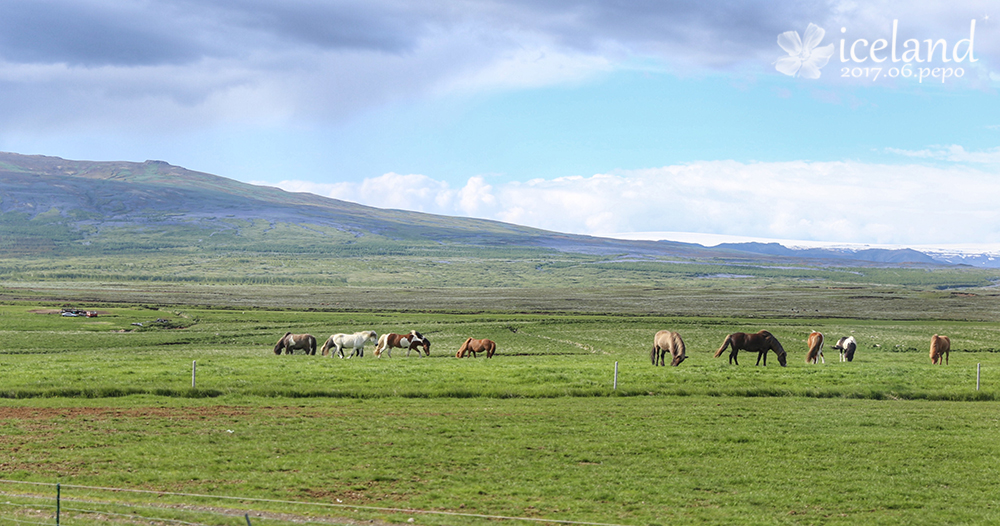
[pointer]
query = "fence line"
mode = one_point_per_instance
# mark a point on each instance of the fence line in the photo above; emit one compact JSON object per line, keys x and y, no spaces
{"x":304,"y":503}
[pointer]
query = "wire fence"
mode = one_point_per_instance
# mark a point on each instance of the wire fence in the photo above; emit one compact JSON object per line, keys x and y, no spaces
{"x":54,"y":504}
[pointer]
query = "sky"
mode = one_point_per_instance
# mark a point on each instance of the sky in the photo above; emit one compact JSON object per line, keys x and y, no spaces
{"x":874,"y":122}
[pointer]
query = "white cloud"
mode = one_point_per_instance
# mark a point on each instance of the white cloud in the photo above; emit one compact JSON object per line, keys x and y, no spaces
{"x":953,"y":153}
{"x":827,"y":201}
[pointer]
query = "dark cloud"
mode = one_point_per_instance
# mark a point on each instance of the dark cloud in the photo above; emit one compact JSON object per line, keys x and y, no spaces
{"x":95,"y":33}
{"x":723,"y":31}
{"x":329,"y":25}
{"x":81,"y":33}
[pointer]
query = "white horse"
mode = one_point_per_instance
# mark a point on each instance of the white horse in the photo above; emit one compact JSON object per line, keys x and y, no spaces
{"x":354,"y":341}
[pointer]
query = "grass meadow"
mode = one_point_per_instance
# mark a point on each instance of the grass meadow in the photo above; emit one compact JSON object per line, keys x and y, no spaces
{"x":539,"y":431}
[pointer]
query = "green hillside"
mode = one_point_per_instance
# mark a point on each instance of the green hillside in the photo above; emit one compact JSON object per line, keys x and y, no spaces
{"x":74,"y":227}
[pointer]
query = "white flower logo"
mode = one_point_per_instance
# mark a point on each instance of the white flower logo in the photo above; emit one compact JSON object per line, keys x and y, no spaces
{"x":804,"y":58}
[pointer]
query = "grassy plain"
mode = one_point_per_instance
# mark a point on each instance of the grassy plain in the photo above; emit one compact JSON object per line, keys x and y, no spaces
{"x":538,"y":431}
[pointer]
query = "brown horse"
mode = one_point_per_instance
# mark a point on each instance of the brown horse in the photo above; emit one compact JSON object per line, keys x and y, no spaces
{"x":411,"y":341}
{"x":664,"y":342}
{"x":289,"y":342}
{"x":815,"y":343}
{"x":473,"y":346}
{"x":940,"y":345}
{"x":760,"y":343}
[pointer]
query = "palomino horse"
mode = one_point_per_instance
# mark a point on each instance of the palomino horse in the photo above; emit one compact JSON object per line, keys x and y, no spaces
{"x":354,"y":341}
{"x":473,"y":346}
{"x":846,"y":345}
{"x":760,"y":343}
{"x":411,"y":341}
{"x":940,"y":346}
{"x":667,"y":342}
{"x":289,"y":342}
{"x":815,"y":343}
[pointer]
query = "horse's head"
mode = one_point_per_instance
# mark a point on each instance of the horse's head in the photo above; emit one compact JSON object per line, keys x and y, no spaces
{"x":678,"y":359}
{"x":426,"y":344}
{"x":281,"y":343}
{"x":779,"y":350}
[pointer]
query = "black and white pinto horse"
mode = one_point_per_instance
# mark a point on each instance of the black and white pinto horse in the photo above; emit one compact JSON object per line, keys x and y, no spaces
{"x":846,"y":345}
{"x":355,"y":341}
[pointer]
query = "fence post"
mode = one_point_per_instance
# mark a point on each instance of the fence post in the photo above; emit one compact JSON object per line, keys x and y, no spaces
{"x":615,"y":387}
{"x":194,"y":370}
{"x":247,"y":517}
{"x":58,"y":499}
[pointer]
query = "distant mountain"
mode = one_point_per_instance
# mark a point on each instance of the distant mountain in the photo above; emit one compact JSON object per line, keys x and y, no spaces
{"x":875,"y":255}
{"x":53,"y":206}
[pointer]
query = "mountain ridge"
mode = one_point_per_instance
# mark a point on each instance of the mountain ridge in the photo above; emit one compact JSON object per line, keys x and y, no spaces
{"x":90,"y":199}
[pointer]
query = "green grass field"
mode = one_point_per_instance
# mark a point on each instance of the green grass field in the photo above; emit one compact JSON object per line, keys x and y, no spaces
{"x":538,"y":431}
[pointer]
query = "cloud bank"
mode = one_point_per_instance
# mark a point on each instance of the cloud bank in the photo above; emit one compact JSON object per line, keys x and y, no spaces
{"x":832,"y":201}
{"x":183,"y":64}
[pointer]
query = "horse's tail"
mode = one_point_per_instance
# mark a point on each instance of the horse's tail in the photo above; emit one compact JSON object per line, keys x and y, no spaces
{"x":727,"y":343}
{"x":312,"y":345}
{"x":326,"y":346}
{"x":491,"y":348}
{"x":380,"y":346}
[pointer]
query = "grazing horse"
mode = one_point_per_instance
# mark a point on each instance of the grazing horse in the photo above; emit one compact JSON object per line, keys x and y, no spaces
{"x":289,"y":342}
{"x":940,"y":345}
{"x":846,"y":345}
{"x":473,"y":346}
{"x":815,"y":343}
{"x":411,"y":341}
{"x":354,"y":341}
{"x":760,"y":343}
{"x":667,"y":342}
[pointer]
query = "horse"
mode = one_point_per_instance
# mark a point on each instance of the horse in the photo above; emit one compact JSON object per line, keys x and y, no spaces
{"x":289,"y":342}
{"x":473,"y":346}
{"x":664,"y":342}
{"x":815,"y":343}
{"x":354,"y":341}
{"x":846,"y":345}
{"x":411,"y":341}
{"x":760,"y":343}
{"x":940,"y":345}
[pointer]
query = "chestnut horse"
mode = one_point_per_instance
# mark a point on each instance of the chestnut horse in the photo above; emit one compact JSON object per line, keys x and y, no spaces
{"x":356,"y":342}
{"x":289,"y":342}
{"x":760,"y":343}
{"x":815,"y":343}
{"x":940,"y":345}
{"x":846,"y":345}
{"x":667,"y":342}
{"x":411,"y":341}
{"x":473,"y":346}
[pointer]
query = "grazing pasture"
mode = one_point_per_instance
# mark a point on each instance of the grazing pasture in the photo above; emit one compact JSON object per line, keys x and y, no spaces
{"x":536,"y":432}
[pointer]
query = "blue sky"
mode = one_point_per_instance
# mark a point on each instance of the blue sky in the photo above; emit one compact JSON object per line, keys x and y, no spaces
{"x":580,"y":116}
